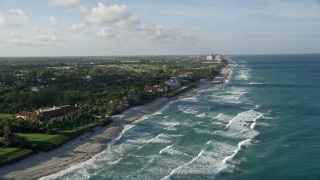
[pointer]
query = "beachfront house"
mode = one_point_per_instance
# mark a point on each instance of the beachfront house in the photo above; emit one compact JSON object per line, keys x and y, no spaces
{"x":26,"y":115}
{"x":119,"y":104}
{"x":158,"y":88}
{"x":218,"y":58}
{"x":185,"y":77}
{"x":210,"y":57}
{"x":47,"y":112}
{"x":173,"y":83}
{"x":50,"y":112}
{"x":133,"y":98}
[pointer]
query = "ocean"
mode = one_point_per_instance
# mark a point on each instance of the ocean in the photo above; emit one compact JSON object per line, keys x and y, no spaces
{"x":262,"y":124}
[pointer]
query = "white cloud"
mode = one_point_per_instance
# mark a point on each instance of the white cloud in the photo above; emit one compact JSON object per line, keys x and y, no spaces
{"x":34,"y":29}
{"x":47,"y":38}
{"x":18,"y":39}
{"x":18,"y":15}
{"x":2,"y":20}
{"x":155,"y":32}
{"x":108,"y":14}
{"x":130,"y":23}
{"x":52,"y":20}
{"x":15,"y":17}
{"x":64,"y":2}
{"x":83,"y":9}
{"x":189,"y":40}
{"x":106,"y":32}
{"x":125,"y":25}
{"x":77,"y":27}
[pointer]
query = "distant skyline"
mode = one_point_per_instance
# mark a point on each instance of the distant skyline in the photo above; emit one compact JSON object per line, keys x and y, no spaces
{"x":158,"y":27}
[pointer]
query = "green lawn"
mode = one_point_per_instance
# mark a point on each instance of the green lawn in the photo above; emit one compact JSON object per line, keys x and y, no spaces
{"x":4,"y":115}
{"x":9,"y":155}
{"x":37,"y":137}
{"x":81,"y":129}
{"x":4,"y":151}
{"x":44,"y":142}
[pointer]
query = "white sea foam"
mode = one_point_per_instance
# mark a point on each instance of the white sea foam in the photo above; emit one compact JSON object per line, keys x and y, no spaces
{"x":234,"y":95}
{"x":138,"y":141}
{"x":172,"y":150}
{"x":190,"y":99}
{"x":170,"y":125}
{"x":188,"y":123}
{"x":223,"y":117}
{"x":108,"y":156}
{"x":244,"y":74}
{"x":209,"y":161}
{"x":133,"y":124}
{"x":242,"y":125}
{"x":255,"y":83}
{"x":202,"y":115}
{"x":253,"y":125}
{"x":163,"y":138}
{"x":160,"y":111}
{"x":217,"y":123}
{"x":243,"y":118}
{"x":238,"y":91}
{"x":262,"y":124}
{"x":229,"y":76}
{"x":80,"y":171}
{"x":171,"y":128}
{"x":188,"y":109}
{"x":203,"y":131}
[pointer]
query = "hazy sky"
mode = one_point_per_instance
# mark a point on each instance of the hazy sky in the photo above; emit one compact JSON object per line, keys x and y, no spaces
{"x":148,"y":27}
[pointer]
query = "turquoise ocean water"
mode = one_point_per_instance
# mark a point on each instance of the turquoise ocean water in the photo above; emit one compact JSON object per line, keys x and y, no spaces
{"x":262,"y":124}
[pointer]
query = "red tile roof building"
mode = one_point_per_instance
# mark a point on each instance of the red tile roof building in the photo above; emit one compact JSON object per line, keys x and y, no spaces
{"x":26,"y":115}
{"x":48,"y":112}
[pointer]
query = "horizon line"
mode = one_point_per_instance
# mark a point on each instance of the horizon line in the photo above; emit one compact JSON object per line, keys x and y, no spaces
{"x":154,"y":55}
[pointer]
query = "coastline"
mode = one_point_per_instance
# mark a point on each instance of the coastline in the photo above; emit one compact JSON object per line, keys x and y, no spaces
{"x":92,"y":143}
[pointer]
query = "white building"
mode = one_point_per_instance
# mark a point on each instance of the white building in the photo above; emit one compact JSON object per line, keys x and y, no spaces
{"x":210,"y":57}
{"x":218,"y":58}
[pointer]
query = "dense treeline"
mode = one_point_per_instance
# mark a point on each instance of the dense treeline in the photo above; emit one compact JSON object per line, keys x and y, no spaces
{"x":84,"y":83}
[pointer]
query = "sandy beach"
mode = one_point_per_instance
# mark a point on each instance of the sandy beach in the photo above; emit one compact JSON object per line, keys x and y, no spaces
{"x":92,"y":143}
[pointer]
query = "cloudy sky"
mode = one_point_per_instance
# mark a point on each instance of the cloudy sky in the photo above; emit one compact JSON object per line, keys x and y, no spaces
{"x":148,"y":27}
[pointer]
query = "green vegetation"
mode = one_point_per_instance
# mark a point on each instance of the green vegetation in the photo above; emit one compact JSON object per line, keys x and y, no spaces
{"x":9,"y":155}
{"x":99,"y":86}
{"x":5,"y":151}
{"x":35,"y":138}
{"x":182,"y":90}
{"x":5,"y":115}
{"x":43,"y":142}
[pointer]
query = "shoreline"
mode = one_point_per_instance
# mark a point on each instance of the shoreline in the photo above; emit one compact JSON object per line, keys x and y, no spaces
{"x":90,"y":144}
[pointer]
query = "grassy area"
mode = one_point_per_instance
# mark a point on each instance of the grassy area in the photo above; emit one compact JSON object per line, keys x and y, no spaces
{"x":5,"y":115}
{"x":4,"y":151}
{"x":47,"y":142}
{"x":37,"y":137}
{"x":80,"y":129}
{"x":44,"y":142}
{"x":9,"y":155}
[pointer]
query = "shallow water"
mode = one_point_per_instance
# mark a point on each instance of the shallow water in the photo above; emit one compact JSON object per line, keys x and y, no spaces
{"x":263,"y":124}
